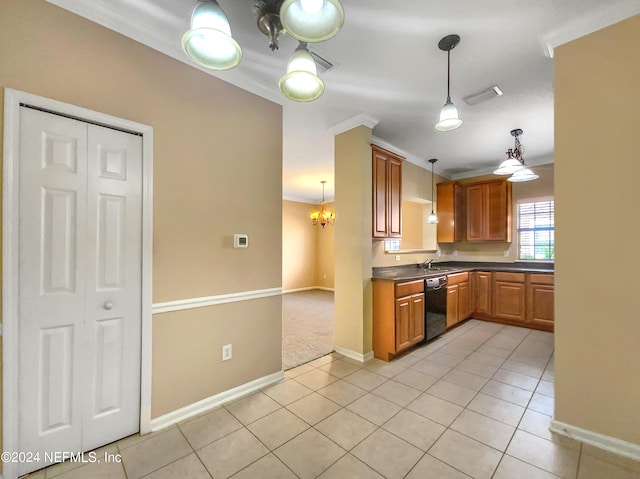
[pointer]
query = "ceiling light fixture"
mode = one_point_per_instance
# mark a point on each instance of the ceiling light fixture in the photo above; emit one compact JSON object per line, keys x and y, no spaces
{"x":301,"y":82}
{"x":323,"y":215}
{"x":449,"y":118}
{"x":209,"y":43}
{"x":514,"y":164}
{"x":433,"y":218}
{"x":312,"y":20}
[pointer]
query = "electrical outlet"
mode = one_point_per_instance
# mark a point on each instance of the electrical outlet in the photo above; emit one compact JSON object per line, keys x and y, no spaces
{"x":226,"y":352}
{"x":397,"y":257}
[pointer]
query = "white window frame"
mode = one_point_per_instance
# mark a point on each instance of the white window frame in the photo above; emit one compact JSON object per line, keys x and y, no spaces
{"x":532,"y":200}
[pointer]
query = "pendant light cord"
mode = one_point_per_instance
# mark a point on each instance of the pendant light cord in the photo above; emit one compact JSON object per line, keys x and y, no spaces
{"x":448,"y":75}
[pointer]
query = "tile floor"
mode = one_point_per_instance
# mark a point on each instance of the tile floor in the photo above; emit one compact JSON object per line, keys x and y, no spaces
{"x":475,"y":403}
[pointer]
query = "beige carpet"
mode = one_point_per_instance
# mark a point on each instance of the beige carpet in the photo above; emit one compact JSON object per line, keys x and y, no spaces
{"x":307,"y":326}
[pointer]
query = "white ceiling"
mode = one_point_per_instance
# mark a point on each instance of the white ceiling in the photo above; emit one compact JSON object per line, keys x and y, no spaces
{"x":390,"y":70}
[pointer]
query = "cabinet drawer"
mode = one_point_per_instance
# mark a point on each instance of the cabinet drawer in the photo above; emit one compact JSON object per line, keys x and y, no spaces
{"x":541,"y":278}
{"x":409,"y":288}
{"x":457,"y":278}
{"x":509,"y":277}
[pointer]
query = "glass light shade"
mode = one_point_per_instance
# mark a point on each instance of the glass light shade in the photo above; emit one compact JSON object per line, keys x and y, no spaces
{"x":301,"y":82}
{"x":449,"y":119}
{"x":312,"y":20}
{"x":209,"y":42}
{"x":508,"y":167}
{"x":432,"y":219}
{"x":524,"y":174}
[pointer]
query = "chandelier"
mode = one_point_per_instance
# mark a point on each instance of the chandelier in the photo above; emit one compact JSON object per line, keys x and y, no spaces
{"x":209,"y":42}
{"x":323,"y":215}
{"x":514,"y":164}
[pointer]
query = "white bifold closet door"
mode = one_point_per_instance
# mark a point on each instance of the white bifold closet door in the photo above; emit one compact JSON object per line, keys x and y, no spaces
{"x":80,"y":239}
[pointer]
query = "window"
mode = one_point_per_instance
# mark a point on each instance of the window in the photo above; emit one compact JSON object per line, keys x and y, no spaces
{"x":536,"y":231}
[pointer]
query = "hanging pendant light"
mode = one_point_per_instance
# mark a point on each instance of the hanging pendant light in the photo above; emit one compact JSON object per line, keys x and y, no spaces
{"x":301,"y":82}
{"x":209,"y":42}
{"x":514,"y":160}
{"x":312,"y":20}
{"x":323,"y":215}
{"x":449,"y":118}
{"x":514,"y":164}
{"x":432,"y":219}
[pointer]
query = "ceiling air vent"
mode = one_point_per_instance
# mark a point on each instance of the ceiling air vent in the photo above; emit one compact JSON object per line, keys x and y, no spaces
{"x":484,"y":95}
{"x":324,"y":65}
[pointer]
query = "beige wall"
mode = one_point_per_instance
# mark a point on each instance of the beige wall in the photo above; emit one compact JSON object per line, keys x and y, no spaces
{"x":502,"y":252}
{"x":209,"y":183}
{"x":299,"y":246}
{"x":325,"y":252}
{"x":597,"y":114}
{"x":307,"y":249}
{"x":353,"y":240}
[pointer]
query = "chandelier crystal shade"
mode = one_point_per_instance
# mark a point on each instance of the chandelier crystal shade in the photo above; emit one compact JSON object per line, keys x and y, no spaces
{"x":208,"y":42}
{"x":323,"y":215}
{"x":449,"y":117}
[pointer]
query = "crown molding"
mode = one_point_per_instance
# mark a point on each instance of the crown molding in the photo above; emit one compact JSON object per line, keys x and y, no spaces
{"x":610,"y":13}
{"x":355,"y":121}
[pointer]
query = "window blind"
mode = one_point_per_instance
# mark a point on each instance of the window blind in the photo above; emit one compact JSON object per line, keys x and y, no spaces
{"x":536,"y":230}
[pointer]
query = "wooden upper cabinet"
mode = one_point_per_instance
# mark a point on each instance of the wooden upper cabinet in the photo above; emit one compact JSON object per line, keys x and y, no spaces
{"x":488,"y":208}
{"x":450,"y":208}
{"x":479,"y":211}
{"x":387,"y":193}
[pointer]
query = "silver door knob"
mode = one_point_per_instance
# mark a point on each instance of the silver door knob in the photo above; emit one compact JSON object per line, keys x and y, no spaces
{"x":108,"y":305}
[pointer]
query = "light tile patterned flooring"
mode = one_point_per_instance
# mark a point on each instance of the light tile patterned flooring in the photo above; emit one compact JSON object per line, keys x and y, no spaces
{"x":475,"y":403}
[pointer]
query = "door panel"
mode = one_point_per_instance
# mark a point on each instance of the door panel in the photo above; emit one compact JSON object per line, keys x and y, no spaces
{"x":79,"y":284}
{"x":112,"y":325}
{"x":53,"y":158}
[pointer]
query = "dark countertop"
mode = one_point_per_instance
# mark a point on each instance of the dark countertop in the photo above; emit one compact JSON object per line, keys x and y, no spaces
{"x":414,"y":271}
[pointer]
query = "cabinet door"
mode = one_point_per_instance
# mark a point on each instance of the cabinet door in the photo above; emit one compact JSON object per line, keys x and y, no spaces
{"x":394,"y":195}
{"x":540,"y":305}
{"x":463,"y":301}
{"x":452,"y":305}
{"x":475,"y":202}
{"x":482,"y":286}
{"x":403,"y":323}
{"x":417,"y":318}
{"x":379,"y":194}
{"x":498,"y":206}
{"x":509,"y":300}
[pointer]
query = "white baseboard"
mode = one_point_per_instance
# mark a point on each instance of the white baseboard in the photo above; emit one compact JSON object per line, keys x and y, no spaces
{"x":608,"y":443}
{"x":363,"y":358}
{"x":211,"y":402}
{"x":297,"y":290}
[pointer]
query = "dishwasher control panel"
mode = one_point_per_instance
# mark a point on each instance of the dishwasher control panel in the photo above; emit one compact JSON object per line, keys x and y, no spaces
{"x":436,"y":282}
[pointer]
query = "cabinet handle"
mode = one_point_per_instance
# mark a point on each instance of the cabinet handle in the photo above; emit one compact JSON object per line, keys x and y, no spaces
{"x":108,"y":305}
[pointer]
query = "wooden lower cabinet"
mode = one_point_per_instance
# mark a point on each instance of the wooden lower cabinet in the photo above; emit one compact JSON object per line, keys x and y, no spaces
{"x":464,"y":304}
{"x":458,"y":298}
{"x":409,"y":321}
{"x":540,"y":301}
{"x":453,"y":295}
{"x":398,"y":317}
{"x":481,"y":302}
{"x":509,"y":295}
{"x":522,"y":299}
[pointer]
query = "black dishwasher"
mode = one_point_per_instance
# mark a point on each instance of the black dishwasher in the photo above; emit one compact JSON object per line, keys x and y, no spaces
{"x":435,"y":302}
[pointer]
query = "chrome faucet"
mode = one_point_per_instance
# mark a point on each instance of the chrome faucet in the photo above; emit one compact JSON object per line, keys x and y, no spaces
{"x":426,"y":264}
